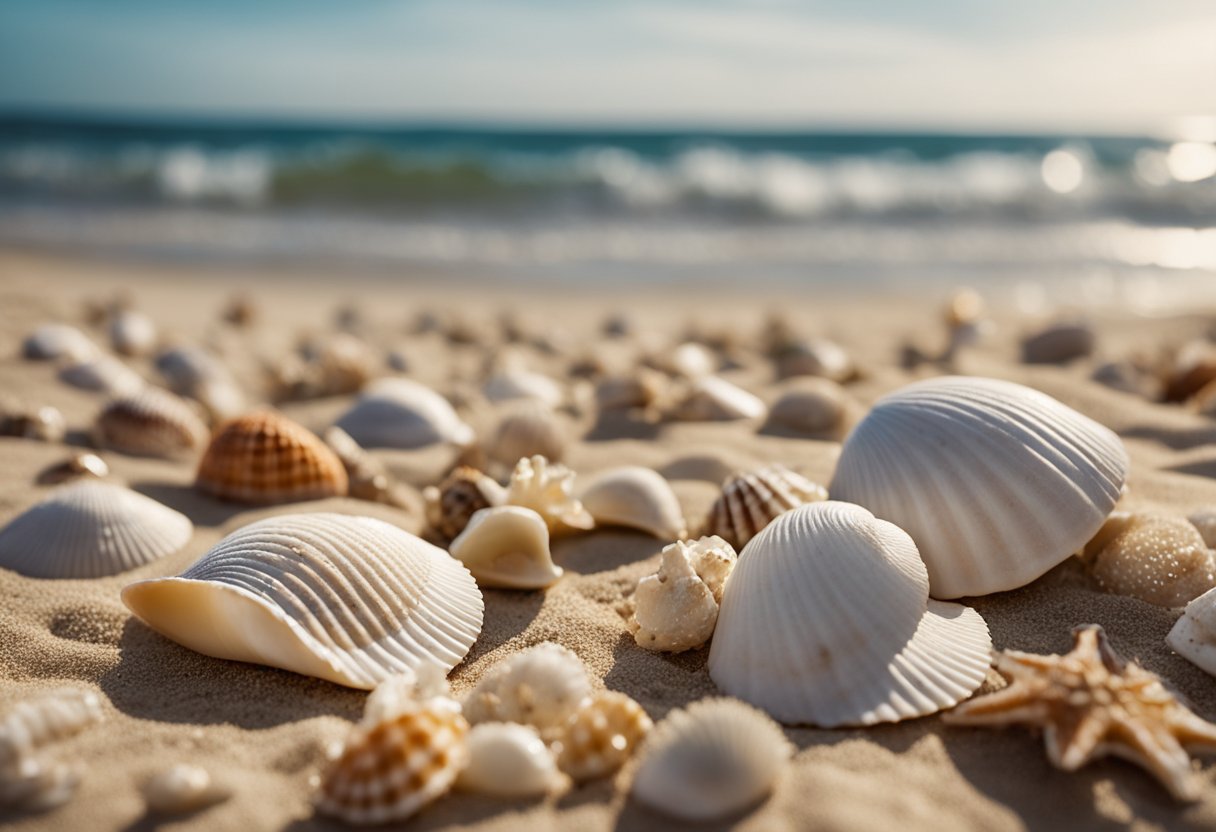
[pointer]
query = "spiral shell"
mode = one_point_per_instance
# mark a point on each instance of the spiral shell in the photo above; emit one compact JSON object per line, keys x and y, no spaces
{"x":399,"y":413}
{"x":541,"y":686}
{"x":451,"y":504}
{"x":152,"y":422}
{"x":638,"y":498}
{"x":507,"y":760}
{"x":599,"y":737}
{"x":751,"y":500}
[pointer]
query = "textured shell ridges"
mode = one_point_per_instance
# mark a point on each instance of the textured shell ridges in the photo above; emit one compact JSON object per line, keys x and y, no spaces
{"x":541,"y":686}
{"x":152,"y":422}
{"x":750,"y":500}
{"x":600,"y":736}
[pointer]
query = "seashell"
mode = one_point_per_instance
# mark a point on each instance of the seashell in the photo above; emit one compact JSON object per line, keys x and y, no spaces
{"x":511,"y":761}
{"x":368,"y":478}
{"x":191,"y":371}
{"x":451,"y":504}
{"x":711,"y":759}
{"x":399,"y":413}
{"x":28,"y":779}
{"x":750,"y":500}
{"x":44,"y":423}
{"x":1205,"y":521}
{"x":240,"y":311}
{"x":265,"y":458}
{"x":522,"y":384}
{"x":51,"y":342}
{"x":398,"y":693}
{"x":965,"y":308}
{"x":1058,"y":343}
{"x":996,"y":483}
{"x":816,"y":357}
{"x":1194,"y":368}
{"x":1193,"y":636}
{"x":1162,"y":560}
{"x":549,"y":491}
{"x":152,"y":422}
{"x":599,"y":737}
{"x":637,"y":498}
{"x":78,"y":465}
{"x":507,"y":546}
{"x":90,"y":529}
{"x":182,"y":788}
{"x":677,"y":607}
{"x":810,"y":405}
{"x":348,"y":599}
{"x":345,"y":363}
{"x":527,"y":429}
{"x":714,"y":399}
{"x":826,"y":620}
{"x":102,"y":374}
{"x":690,"y":360}
{"x":132,"y":333}
{"x":541,"y":686}
{"x":640,"y":390}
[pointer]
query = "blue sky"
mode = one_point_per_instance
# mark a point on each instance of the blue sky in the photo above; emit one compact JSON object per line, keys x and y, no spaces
{"x":970,"y":64}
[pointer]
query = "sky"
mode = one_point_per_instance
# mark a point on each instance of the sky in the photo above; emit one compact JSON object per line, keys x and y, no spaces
{"x":1096,"y":65}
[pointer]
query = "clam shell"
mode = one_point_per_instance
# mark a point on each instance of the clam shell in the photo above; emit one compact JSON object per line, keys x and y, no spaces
{"x":399,"y":413}
{"x":102,"y":374}
{"x":525,"y":430}
{"x":348,"y":599}
{"x":152,"y":422}
{"x":51,"y":342}
{"x":710,"y":760}
{"x":599,"y":737}
{"x":507,"y":760}
{"x":714,"y":399}
{"x":750,"y":500}
{"x":265,"y":458}
{"x":182,"y":788}
{"x":810,"y":406}
{"x":132,"y":333}
{"x":451,"y":504}
{"x":507,"y":546}
{"x":522,"y":384}
{"x":1193,"y":636}
{"x":549,"y":491}
{"x":824,"y":621}
{"x":637,"y":498}
{"x":677,"y":607}
{"x":541,"y":686}
{"x":996,"y":483}
{"x":90,"y":529}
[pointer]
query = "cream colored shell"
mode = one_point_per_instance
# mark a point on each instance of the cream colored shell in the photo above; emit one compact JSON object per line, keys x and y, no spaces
{"x":541,"y":686}
{"x":676,"y":608}
{"x":1193,"y":636}
{"x":714,"y":399}
{"x":399,"y":413}
{"x":600,"y":736}
{"x":638,"y":498}
{"x":1159,"y":559}
{"x":548,"y":489}
{"x":810,"y":406}
{"x":526,"y":429}
{"x":523,"y":384}
{"x":507,"y":546}
{"x":182,"y":788}
{"x":102,"y":374}
{"x":508,"y":760}
{"x":51,"y":342}
{"x":750,"y":500}
{"x":30,"y":778}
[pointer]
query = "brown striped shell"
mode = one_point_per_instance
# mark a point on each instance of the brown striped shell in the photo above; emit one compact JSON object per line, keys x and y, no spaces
{"x":451,"y":504}
{"x":153,"y":422}
{"x":599,"y":737}
{"x":750,"y":500}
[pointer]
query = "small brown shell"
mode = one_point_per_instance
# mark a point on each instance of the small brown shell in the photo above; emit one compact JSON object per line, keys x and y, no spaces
{"x":751,"y":500}
{"x":600,"y":736}
{"x":264,"y":458}
{"x":153,"y":422}
{"x":451,"y":504}
{"x":76,"y":466}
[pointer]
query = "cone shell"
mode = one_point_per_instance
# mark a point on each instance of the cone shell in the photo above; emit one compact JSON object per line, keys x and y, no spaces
{"x":713,"y":759}
{"x":507,"y":546}
{"x":102,"y":374}
{"x":451,"y":504}
{"x":507,"y":760}
{"x":51,"y":342}
{"x":1194,"y":634}
{"x":348,"y":599}
{"x":399,"y":413}
{"x":541,"y":686}
{"x":600,"y":736}
{"x":152,"y":422}
{"x":750,"y":500}
{"x":548,"y":489}
{"x":996,"y":483}
{"x":90,"y":529}
{"x":525,"y":430}
{"x":638,"y":498}
{"x":713,"y":399}
{"x":824,"y":621}
{"x":265,"y":458}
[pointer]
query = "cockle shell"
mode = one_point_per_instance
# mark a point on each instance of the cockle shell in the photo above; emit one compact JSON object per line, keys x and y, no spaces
{"x":265,"y":458}
{"x":1159,"y":559}
{"x":523,"y":384}
{"x":451,"y":504}
{"x":132,"y":333}
{"x":826,"y":620}
{"x":51,"y":342}
{"x":709,"y":760}
{"x":507,"y":760}
{"x":996,"y":483}
{"x":714,"y":399}
{"x":548,"y":489}
{"x":348,"y":599}
{"x":527,"y":429}
{"x":637,"y":498}
{"x":750,"y":500}
{"x":182,"y":788}
{"x":690,"y":360}
{"x":28,"y":777}
{"x":810,"y":406}
{"x":399,"y":413}
{"x":541,"y":686}
{"x":677,"y":607}
{"x":102,"y":374}
{"x":152,"y":422}
{"x":1193,"y":636}
{"x":600,"y":736}
{"x":89,"y":529}
{"x":507,"y":546}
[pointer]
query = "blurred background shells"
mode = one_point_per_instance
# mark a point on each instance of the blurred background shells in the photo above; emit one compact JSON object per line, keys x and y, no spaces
{"x":714,"y":399}
{"x":750,"y":500}
{"x":182,"y":788}
{"x":527,"y":429}
{"x":815,"y":357}
{"x":515,"y":383}
{"x":636,"y":498}
{"x":32,"y":777}
{"x":1160,"y":559}
{"x":368,"y":478}
{"x":810,"y":406}
{"x":400,"y":413}
{"x":1204,"y":520}
{"x":541,"y":686}
{"x":507,"y":760}
{"x":44,"y":423}
{"x":197,"y":374}
{"x":1058,"y":343}
{"x":508,"y":547}
{"x":451,"y":504}
{"x":132,"y":332}
{"x":676,"y":608}
{"x":77,"y":466}
{"x":601,"y":736}
{"x":152,"y":422}
{"x":102,"y":374}
{"x":51,"y":342}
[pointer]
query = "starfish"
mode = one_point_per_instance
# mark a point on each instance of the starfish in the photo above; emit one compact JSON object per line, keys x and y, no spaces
{"x":1090,"y":703}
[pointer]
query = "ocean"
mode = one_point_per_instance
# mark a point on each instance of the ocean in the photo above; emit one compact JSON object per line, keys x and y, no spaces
{"x":633,"y":204}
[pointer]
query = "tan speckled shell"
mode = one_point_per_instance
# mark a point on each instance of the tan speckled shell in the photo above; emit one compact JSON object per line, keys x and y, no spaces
{"x":152,"y":422}
{"x":599,"y":737}
{"x":1159,"y":559}
{"x":451,"y":504}
{"x":750,"y":500}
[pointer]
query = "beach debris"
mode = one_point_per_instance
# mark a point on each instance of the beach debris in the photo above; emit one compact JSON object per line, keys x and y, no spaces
{"x":400,"y":413}
{"x":90,"y":529}
{"x":601,"y":735}
{"x":1058,"y":343}
{"x":636,"y":498}
{"x":643,"y":389}
{"x":515,"y":383}
{"x":1160,"y":559}
{"x":152,"y":422}
{"x":541,"y":686}
{"x":367,"y":476}
{"x":77,"y":466}
{"x":507,"y":547}
{"x":676,"y":608}
{"x":750,"y":500}
{"x":44,"y":423}
{"x":527,"y":429}
{"x":102,"y":374}
{"x":1205,"y":521}
{"x":1193,"y":636}
{"x":714,"y":399}
{"x":182,"y":788}
{"x":51,"y":342}
{"x":29,"y":777}
{"x":996,"y":483}
{"x":349,"y":599}
{"x":264,"y":458}
{"x":1091,"y":703}
{"x":132,"y":333}
{"x":197,"y":374}
{"x":510,"y":761}
{"x":709,"y":760}
{"x":816,"y":357}
{"x":548,"y":489}
{"x":451,"y":504}
{"x":826,"y":620}
{"x":810,"y":406}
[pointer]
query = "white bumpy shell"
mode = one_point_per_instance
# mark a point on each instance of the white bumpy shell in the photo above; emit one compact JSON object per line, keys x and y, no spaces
{"x":507,"y":546}
{"x":541,"y":686}
{"x":677,"y":607}
{"x":399,"y":413}
{"x":508,"y":760}
{"x":638,"y":498}
{"x":996,"y":483}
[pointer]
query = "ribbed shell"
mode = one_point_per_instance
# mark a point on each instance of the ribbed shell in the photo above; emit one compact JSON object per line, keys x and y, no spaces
{"x":265,"y":458}
{"x":508,"y":760}
{"x":399,"y":413}
{"x":152,"y":422}
{"x":824,"y":621}
{"x":90,"y":529}
{"x":102,"y":374}
{"x":996,"y":483}
{"x":638,"y":498}
{"x":349,"y":599}
{"x":750,"y":500}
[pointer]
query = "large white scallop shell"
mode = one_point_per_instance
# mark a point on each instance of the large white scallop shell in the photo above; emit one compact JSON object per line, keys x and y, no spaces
{"x":996,"y":483}
{"x":348,"y":599}
{"x":824,"y":621}
{"x":399,"y":413}
{"x":714,"y":758}
{"x":1193,"y":636}
{"x":508,"y":760}
{"x":89,"y":529}
{"x":50,"y":342}
{"x":507,"y":546}
{"x":541,"y":686}
{"x":102,"y":374}
{"x":638,"y":498}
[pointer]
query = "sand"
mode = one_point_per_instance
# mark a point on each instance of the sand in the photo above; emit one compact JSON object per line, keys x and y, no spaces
{"x":262,"y":732}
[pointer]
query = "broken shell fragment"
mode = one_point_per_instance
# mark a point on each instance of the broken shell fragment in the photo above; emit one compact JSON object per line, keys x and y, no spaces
{"x":677,"y":607}
{"x":750,"y":500}
{"x":600,"y":736}
{"x":507,"y":546}
{"x":1193,"y":636}
{"x":548,"y":489}
{"x":1162,"y":560}
{"x":508,"y":760}
{"x":637,"y":498}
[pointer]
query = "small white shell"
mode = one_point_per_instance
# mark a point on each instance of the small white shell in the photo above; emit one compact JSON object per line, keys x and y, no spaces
{"x":1194,"y":634}
{"x":714,"y":758}
{"x":197,"y":374}
{"x":677,"y":607}
{"x":541,"y":686}
{"x":399,"y":413}
{"x":507,"y":760}
{"x":638,"y":498}
{"x":527,"y":429}
{"x":549,"y":491}
{"x":102,"y":374}
{"x":89,"y":529}
{"x":182,"y":788}
{"x":522,"y":384}
{"x":691,"y":360}
{"x":51,"y":342}
{"x":507,"y":546}
{"x":750,"y":500}
{"x":349,"y":599}
{"x":132,"y":333}
{"x":712,"y":399}
{"x":816,"y":357}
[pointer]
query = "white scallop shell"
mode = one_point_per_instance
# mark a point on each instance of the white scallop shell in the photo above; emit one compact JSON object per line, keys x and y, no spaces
{"x":824,"y":621}
{"x":89,"y":529}
{"x":996,"y":483}
{"x":50,"y":342}
{"x":102,"y":374}
{"x":548,"y":489}
{"x":677,"y":607}
{"x":638,"y":498}
{"x":541,"y":686}
{"x":1193,"y":636}
{"x":523,"y":384}
{"x":507,"y":546}
{"x":508,"y":760}
{"x":711,"y":399}
{"x":710,"y":760}
{"x":132,"y":333}
{"x":399,"y":413}
{"x":349,"y":599}
{"x":182,"y":788}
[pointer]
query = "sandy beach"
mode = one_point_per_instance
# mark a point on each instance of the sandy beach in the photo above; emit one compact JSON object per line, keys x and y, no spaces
{"x":262,"y":732}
